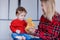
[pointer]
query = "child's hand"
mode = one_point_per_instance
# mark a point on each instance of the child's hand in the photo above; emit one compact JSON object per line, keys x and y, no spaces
{"x":18,"y":31}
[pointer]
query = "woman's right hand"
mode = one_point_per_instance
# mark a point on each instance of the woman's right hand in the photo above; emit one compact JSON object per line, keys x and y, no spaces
{"x":32,"y":30}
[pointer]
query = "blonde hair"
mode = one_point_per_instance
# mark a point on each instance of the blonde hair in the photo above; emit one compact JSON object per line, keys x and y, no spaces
{"x":51,"y":9}
{"x":53,"y":1}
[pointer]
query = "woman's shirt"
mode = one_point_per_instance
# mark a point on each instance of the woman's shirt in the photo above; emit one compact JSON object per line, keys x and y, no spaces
{"x":49,"y":30}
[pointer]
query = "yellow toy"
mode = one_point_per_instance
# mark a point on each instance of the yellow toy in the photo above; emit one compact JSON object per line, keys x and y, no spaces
{"x":30,"y":25}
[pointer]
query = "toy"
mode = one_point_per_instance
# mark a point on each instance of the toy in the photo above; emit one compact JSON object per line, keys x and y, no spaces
{"x":30,"y":26}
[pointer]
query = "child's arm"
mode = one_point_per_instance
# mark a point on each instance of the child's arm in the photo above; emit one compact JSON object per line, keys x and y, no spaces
{"x":15,"y":30}
{"x":13,"y":27}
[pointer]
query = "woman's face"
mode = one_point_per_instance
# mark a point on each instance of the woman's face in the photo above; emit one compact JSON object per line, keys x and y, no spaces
{"x":46,"y":7}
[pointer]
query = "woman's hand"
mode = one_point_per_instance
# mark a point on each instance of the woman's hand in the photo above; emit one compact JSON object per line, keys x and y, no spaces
{"x":32,"y":30}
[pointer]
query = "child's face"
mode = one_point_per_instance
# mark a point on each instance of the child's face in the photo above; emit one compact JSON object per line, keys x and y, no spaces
{"x":22,"y":15}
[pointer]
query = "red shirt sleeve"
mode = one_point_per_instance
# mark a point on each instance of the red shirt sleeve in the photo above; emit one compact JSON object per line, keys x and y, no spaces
{"x":13,"y":26}
{"x":18,"y":25}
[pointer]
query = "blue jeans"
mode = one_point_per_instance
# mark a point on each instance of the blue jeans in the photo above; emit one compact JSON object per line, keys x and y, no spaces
{"x":35,"y":39}
{"x":25,"y":35}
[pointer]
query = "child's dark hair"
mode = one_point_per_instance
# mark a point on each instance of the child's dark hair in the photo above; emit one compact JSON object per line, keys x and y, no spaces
{"x":21,"y":9}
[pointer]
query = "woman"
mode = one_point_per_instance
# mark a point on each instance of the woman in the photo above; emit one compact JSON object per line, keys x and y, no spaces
{"x":49,"y":26}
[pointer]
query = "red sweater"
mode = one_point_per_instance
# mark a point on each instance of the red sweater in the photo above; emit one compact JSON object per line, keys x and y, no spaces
{"x":18,"y":25}
{"x":49,"y":30}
